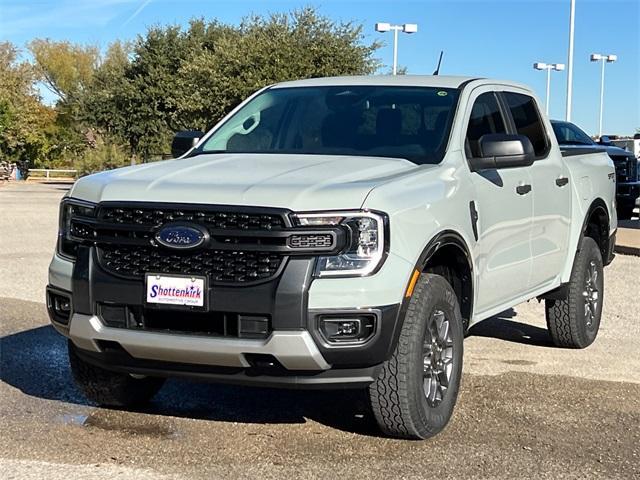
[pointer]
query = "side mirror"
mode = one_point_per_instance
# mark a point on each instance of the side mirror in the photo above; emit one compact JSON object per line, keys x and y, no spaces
{"x":604,"y":140}
{"x":184,"y":141}
{"x":498,"y":150}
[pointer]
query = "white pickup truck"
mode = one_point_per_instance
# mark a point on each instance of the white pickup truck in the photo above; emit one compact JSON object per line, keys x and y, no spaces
{"x":334,"y":232}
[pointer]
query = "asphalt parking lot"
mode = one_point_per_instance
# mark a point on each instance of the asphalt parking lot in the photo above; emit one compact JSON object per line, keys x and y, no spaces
{"x":526,"y":409}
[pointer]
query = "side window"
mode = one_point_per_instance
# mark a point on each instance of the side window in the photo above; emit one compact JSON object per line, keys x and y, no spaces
{"x":485,"y":118}
{"x":527,"y":120}
{"x":579,"y":136}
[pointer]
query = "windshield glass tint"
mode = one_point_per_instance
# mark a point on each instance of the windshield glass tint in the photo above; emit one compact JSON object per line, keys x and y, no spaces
{"x":381,"y":121}
{"x":568,"y":134}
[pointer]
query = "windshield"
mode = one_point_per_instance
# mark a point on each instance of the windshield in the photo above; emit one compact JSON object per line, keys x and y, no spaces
{"x":381,"y":121}
{"x":569,"y":134}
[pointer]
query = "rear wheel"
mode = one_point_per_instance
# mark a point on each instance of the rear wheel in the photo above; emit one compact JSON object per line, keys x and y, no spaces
{"x":574,"y":321}
{"x":416,"y":391}
{"x":111,"y":389}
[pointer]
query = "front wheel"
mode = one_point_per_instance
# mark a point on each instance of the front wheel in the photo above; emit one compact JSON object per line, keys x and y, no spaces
{"x":416,"y":391}
{"x":574,"y":321}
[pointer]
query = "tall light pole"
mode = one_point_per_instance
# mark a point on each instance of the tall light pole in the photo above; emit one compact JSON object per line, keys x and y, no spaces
{"x":572,"y":16}
{"x":598,"y":57}
{"x":548,"y":67}
{"x":406,"y":28}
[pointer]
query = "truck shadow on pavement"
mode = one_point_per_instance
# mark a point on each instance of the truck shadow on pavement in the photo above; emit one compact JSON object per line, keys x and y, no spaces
{"x":502,"y":327}
{"x":35,"y":362}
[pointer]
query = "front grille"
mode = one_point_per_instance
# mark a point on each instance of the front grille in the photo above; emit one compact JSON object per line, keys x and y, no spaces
{"x":633,"y":169}
{"x":240,"y":246}
{"x":220,"y":266}
{"x":213,"y":219}
{"x":625,"y":169}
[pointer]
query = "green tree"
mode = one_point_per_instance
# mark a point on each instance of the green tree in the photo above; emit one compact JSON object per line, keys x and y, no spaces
{"x":103,"y":155}
{"x":105,"y":97}
{"x":265,"y":50}
{"x":177,"y":78}
{"x":65,"y":68}
{"x":27,"y":127}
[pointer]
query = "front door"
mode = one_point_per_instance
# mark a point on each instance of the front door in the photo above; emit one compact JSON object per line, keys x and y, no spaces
{"x":504,"y":214}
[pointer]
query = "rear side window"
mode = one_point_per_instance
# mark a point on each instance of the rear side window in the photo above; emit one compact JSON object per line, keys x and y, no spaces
{"x":527,"y":120}
{"x":485,"y":118}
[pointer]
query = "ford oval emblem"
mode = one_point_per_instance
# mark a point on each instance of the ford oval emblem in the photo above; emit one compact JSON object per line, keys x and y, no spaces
{"x":181,"y":236}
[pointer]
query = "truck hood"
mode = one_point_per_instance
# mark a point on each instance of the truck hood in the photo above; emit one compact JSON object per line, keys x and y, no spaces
{"x":297,"y":182}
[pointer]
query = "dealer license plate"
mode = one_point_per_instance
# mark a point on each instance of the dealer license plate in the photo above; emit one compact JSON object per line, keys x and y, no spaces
{"x":176,"y":290}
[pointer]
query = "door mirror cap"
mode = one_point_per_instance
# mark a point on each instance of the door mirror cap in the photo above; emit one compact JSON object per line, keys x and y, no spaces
{"x":184,"y":141}
{"x":499,"y":150}
{"x":604,"y":140}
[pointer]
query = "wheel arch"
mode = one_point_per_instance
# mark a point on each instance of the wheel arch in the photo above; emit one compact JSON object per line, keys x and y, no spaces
{"x":448,"y":254}
{"x":596,"y":225}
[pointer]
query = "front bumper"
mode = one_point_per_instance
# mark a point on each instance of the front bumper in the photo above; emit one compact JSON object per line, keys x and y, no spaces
{"x":294,"y":353}
{"x":627,"y":193}
{"x":294,"y":350}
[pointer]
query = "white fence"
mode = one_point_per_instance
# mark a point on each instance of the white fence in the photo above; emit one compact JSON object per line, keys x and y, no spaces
{"x":51,"y":174}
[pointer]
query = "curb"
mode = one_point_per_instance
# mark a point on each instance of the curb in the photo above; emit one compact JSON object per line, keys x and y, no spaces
{"x":628,"y":238}
{"x":627,"y":250}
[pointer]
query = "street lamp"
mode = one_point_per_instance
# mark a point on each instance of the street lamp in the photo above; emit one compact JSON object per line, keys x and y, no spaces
{"x":572,"y":17}
{"x":598,"y":57}
{"x":406,"y":28}
{"x":548,"y":67}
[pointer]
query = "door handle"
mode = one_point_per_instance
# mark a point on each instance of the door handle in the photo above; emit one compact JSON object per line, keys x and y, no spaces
{"x":562,"y":181}
{"x":523,"y":189}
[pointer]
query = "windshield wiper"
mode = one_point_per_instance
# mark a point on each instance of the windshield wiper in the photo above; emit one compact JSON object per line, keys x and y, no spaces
{"x":195,"y":153}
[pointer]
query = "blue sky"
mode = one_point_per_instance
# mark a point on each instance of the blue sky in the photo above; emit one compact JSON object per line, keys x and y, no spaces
{"x":492,"y":38}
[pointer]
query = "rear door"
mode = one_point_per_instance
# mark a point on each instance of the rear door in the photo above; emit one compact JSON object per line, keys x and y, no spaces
{"x":550,"y":190}
{"x":503,"y":225}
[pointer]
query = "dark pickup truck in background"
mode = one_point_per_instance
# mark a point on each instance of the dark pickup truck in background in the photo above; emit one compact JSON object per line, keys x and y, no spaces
{"x":627,"y":166}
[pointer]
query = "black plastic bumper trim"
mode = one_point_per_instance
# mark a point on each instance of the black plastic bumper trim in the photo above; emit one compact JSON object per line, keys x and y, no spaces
{"x":119,"y":361}
{"x":53,"y":315}
{"x":372,"y":352}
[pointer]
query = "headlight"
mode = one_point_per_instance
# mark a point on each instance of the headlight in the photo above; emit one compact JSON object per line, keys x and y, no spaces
{"x":69,"y":210}
{"x":366,"y":247}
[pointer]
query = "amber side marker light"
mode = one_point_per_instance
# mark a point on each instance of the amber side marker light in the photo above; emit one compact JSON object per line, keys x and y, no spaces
{"x":412,"y":283}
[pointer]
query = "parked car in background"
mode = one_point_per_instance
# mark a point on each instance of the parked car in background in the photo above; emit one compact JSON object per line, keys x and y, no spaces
{"x":630,"y":144}
{"x":334,"y":232}
{"x":571,"y":137}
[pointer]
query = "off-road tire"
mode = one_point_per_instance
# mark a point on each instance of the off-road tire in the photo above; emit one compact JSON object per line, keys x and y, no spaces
{"x":111,"y":389}
{"x":398,"y":399}
{"x":566,"y":319}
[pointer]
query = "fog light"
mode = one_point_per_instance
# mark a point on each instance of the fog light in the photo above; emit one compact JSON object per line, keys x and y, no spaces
{"x":342,"y":329}
{"x":62,"y":305}
{"x":337,"y":328}
{"x":59,"y":307}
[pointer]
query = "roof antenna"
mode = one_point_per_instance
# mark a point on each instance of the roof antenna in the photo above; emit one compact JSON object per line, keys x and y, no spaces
{"x":437,"y":72}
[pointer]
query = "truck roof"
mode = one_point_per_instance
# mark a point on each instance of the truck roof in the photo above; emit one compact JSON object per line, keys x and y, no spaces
{"x":442,"y":81}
